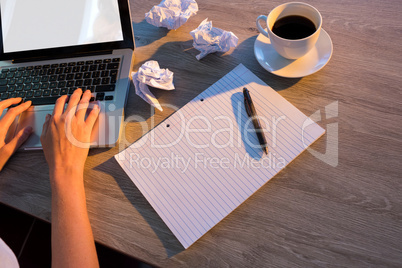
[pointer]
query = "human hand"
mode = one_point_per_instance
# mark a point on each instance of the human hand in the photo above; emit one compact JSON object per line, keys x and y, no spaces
{"x":66,"y":135}
{"x":9,"y":146}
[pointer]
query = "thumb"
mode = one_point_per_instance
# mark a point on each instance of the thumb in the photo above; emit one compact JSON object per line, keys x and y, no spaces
{"x":19,"y":139}
{"x":9,"y":149}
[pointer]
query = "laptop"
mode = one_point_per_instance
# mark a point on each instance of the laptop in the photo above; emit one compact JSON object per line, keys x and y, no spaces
{"x":49,"y":48}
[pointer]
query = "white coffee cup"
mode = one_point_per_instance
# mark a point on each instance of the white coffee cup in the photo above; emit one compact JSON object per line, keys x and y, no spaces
{"x":291,"y":48}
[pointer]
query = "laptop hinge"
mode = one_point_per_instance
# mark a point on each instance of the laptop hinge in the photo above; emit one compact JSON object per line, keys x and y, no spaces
{"x":65,"y":56}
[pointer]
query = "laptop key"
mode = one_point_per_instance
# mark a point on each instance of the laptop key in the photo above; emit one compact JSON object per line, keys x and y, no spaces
{"x":100,"y":96}
{"x":105,"y":80}
{"x":29,"y":94}
{"x":21,"y":94}
{"x":42,"y":101}
{"x":46,"y":92}
{"x":96,"y":81}
{"x":36,"y":86}
{"x":105,"y":88}
{"x":112,"y":66}
{"x":55,"y":92}
{"x":38,"y":93}
{"x":53,"y":85}
{"x":79,"y":83}
{"x":3,"y":89}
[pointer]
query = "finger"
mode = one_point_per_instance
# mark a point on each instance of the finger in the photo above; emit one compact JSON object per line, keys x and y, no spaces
{"x":74,"y":99}
{"x":7,"y":103}
{"x":83,"y":106}
{"x":45,"y":127}
{"x":93,"y":115}
{"x":18,"y":140}
{"x":12,"y":113}
{"x":59,"y":107}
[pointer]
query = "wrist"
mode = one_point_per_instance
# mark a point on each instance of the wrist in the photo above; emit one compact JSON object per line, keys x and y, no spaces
{"x":66,"y":177}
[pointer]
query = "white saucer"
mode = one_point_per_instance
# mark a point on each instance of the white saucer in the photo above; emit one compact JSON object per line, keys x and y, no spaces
{"x":310,"y":63}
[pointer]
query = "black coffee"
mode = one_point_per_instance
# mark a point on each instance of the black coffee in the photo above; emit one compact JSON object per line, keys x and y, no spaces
{"x":293,"y":27}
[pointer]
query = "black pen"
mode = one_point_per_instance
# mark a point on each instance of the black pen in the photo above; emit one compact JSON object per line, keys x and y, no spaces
{"x":248,"y":103}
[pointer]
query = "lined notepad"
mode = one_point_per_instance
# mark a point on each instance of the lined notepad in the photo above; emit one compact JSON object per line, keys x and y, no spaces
{"x":203,"y":161}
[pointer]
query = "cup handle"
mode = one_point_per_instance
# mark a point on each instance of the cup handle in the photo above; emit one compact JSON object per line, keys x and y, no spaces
{"x":259,"y":27}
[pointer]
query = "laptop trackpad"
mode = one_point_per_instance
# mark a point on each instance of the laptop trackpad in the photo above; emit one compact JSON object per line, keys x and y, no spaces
{"x":35,"y":119}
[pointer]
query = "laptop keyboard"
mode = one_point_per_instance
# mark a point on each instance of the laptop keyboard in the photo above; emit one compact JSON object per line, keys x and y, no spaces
{"x":44,"y":84}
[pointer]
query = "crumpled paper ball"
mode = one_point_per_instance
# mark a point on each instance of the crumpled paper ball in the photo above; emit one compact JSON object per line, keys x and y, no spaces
{"x":208,"y":39}
{"x":151,"y":74}
{"x":171,"y":13}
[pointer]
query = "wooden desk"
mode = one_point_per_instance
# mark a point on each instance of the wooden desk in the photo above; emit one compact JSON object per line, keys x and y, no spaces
{"x":311,"y":214}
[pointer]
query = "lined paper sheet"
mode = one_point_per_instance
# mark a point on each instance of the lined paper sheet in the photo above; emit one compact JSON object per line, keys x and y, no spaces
{"x":204,"y":160}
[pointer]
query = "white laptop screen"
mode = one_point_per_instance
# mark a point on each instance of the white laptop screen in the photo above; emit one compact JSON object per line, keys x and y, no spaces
{"x":58,"y":23}
{"x":31,"y":28}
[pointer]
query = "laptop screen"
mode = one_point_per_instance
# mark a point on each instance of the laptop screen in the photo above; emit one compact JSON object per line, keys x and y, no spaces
{"x":33,"y":28}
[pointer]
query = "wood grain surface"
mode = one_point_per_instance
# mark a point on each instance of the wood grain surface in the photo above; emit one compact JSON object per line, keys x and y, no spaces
{"x":312,"y":214}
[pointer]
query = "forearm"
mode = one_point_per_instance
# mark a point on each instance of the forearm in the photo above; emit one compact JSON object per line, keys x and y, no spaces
{"x":72,"y":239}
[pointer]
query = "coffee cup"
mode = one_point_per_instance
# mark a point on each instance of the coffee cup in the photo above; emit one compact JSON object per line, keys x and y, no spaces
{"x":292,"y":28}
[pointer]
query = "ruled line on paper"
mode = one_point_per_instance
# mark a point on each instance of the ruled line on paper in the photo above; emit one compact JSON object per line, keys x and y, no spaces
{"x":190,"y":192}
